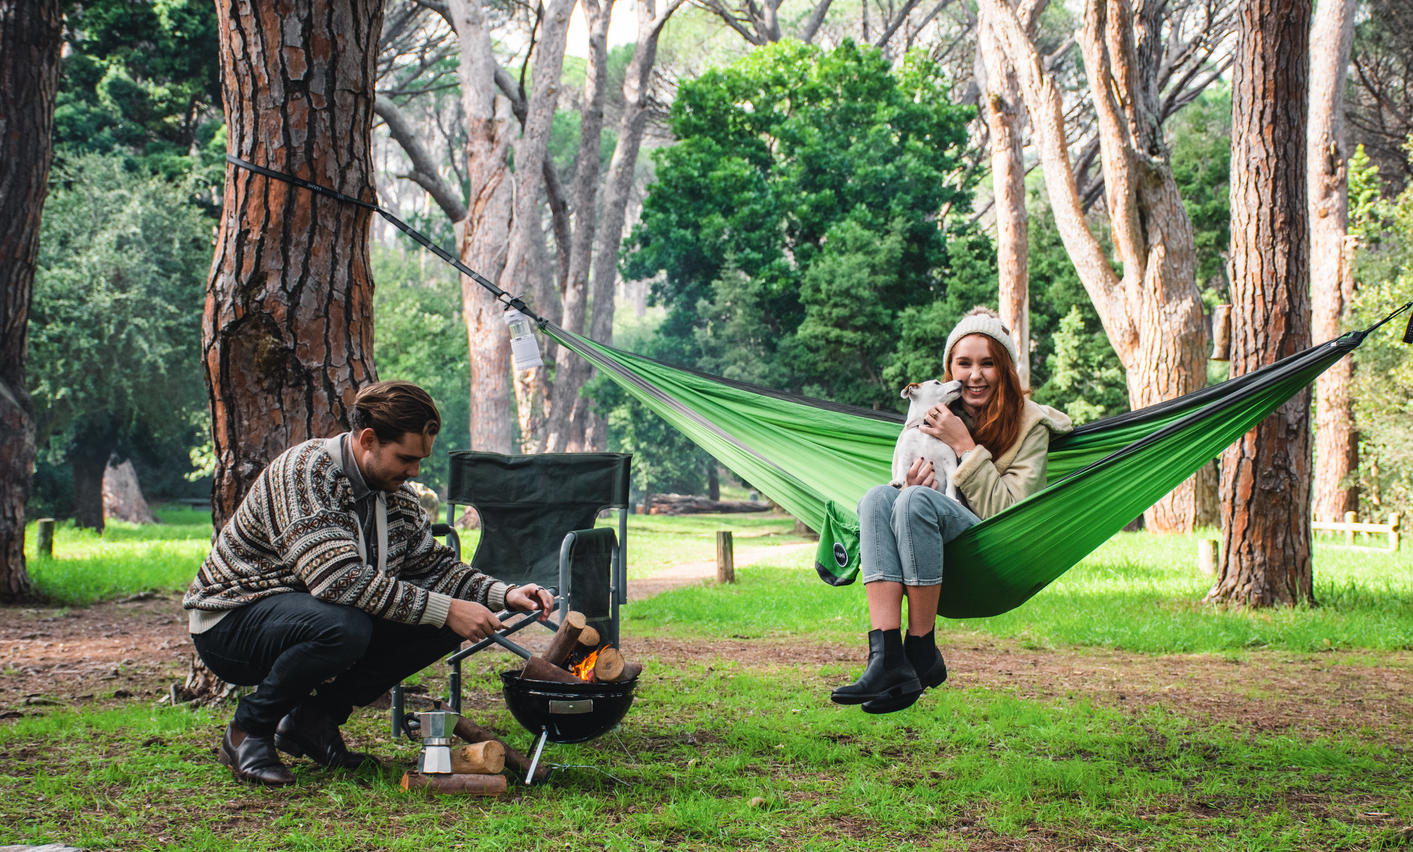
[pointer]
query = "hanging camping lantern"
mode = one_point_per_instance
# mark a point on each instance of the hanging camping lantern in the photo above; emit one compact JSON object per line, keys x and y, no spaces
{"x":524,"y":349}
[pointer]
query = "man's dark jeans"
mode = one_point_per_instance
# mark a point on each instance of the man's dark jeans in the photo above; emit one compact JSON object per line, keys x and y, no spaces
{"x":290,"y":644}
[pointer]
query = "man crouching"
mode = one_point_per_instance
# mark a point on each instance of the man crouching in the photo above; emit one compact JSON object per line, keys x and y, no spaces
{"x":326,"y":588}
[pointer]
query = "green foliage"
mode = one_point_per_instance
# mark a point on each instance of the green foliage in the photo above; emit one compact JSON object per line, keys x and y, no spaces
{"x":1383,"y":376}
{"x":143,"y":79}
{"x":1073,"y":366}
{"x":797,"y":218}
{"x":115,"y":326}
{"x":419,"y":337}
{"x":1199,"y":137}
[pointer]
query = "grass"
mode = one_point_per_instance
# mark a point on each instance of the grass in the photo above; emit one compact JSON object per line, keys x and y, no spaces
{"x":724,"y":756}
{"x":1137,"y":592}
{"x":126,"y":559}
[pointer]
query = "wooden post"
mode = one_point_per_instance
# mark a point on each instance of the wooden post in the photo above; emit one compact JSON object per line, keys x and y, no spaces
{"x":44,"y":538}
{"x":725,"y":559}
{"x":1207,"y":557}
{"x":1393,"y":531}
{"x":1350,"y":518}
{"x":1221,"y":333}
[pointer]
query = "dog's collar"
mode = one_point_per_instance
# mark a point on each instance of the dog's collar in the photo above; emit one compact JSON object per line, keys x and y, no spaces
{"x":913,"y":424}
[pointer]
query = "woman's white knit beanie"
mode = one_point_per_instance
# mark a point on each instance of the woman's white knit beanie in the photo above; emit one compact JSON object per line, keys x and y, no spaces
{"x":980,"y":320}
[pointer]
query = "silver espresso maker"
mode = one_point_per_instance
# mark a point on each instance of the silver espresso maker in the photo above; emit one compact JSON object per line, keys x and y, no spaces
{"x":436,"y":728}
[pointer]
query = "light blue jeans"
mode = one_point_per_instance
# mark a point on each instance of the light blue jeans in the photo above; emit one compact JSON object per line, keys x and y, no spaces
{"x":901,"y":533}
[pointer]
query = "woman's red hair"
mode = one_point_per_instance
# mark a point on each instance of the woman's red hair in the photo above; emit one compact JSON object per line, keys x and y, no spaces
{"x":998,"y":425}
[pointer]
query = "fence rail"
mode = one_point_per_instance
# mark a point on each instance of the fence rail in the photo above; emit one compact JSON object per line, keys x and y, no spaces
{"x":1350,"y":526}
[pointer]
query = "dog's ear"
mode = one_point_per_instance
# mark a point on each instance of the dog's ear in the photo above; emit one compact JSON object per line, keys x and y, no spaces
{"x":908,"y":391}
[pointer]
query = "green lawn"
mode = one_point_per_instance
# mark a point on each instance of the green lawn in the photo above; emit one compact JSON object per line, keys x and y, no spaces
{"x":721,"y":754}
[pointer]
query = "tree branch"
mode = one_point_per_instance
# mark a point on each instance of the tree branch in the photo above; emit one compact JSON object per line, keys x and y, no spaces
{"x":424,"y":168}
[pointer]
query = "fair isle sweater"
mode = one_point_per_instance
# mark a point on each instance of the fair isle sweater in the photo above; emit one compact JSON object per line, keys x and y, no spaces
{"x":297,"y":531}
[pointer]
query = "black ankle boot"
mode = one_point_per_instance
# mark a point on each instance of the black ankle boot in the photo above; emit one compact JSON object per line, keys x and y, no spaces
{"x":889,"y":674}
{"x":927,"y":661}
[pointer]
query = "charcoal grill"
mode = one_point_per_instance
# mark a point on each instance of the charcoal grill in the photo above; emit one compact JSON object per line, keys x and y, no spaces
{"x":565,"y":712}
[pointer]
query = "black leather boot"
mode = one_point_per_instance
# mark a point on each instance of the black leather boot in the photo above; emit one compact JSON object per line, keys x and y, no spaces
{"x":253,"y":759}
{"x":309,"y":732}
{"x":931,"y":670}
{"x":889,"y":674}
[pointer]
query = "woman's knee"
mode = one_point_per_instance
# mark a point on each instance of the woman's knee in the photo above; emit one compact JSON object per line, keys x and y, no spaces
{"x":879,"y":497}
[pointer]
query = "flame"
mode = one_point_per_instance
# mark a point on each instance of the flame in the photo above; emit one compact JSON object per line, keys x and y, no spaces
{"x":584,"y":669}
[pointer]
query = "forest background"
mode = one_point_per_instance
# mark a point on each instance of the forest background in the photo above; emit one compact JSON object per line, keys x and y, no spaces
{"x":814,"y":211}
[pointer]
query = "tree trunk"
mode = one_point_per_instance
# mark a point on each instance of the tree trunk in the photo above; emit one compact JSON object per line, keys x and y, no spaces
{"x":1331,"y":280}
{"x":30,"y":38}
{"x":288,"y":329}
{"x":1266,"y":476}
{"x":487,"y":229}
{"x":522,"y":273}
{"x":1153,"y":315}
{"x":566,"y":425}
{"x":620,"y":182}
{"x":88,"y":454}
{"x":1004,"y":113}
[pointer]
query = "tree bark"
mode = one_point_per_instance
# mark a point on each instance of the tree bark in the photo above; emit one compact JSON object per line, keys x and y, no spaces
{"x":88,"y":454}
{"x":1331,"y":280}
{"x":1153,"y":315}
{"x":288,"y":328}
{"x":486,"y":233}
{"x":30,"y":38}
{"x":566,"y":425}
{"x":1003,"y":111}
{"x":1266,"y":476}
{"x":621,"y":168}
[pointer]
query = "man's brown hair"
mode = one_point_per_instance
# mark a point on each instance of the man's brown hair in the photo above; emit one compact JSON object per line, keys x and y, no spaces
{"x":392,"y":409}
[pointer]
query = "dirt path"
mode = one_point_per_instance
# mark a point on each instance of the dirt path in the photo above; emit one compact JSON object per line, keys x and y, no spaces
{"x":687,"y":573}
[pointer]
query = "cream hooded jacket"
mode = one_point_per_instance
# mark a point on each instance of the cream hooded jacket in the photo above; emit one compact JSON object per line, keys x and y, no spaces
{"x":992,"y":483}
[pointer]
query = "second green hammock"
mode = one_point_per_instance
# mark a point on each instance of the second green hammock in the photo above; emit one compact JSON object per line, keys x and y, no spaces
{"x":816,"y":459}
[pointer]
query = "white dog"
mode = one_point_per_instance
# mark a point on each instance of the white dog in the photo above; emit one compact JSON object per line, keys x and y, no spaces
{"x":913,"y":444}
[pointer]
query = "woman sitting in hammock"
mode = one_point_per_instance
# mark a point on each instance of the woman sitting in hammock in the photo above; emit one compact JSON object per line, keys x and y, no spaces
{"x":1001,"y":439}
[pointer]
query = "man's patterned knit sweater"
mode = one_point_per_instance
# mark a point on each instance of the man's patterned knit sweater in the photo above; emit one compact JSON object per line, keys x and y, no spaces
{"x":296,"y":531}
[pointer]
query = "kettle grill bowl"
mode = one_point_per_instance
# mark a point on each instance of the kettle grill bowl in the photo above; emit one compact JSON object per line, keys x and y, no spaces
{"x":567,"y":712}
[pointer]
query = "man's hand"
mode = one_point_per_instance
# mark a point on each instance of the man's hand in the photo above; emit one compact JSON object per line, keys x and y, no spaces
{"x":471,"y":621}
{"x":948,"y":428}
{"x":920,"y":474}
{"x":529,"y":598}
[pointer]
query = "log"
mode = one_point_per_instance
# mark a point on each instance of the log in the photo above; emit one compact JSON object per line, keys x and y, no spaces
{"x":474,"y":733}
{"x":474,"y":785}
{"x":484,"y":758}
{"x":589,"y":638}
{"x":565,"y":638}
{"x":630,"y":671}
{"x":725,"y":558}
{"x":608,"y":665}
{"x":536,"y":668}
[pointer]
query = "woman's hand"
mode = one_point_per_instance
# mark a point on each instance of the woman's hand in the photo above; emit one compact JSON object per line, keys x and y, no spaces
{"x":948,"y":428}
{"x":531,"y":597}
{"x":920,"y":474}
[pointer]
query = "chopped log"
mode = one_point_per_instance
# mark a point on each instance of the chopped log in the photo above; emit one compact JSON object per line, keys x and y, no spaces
{"x":565,"y":638}
{"x":485,"y":758}
{"x":608,"y":665}
{"x":630,"y":671}
{"x":474,"y":785}
{"x":474,"y":733}
{"x":589,"y":638}
{"x":536,"y":668}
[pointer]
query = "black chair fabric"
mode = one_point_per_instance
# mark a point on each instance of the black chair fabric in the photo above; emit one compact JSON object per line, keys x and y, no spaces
{"x":528,"y":503}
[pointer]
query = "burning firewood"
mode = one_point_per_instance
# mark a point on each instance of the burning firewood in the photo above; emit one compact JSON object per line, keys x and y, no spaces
{"x":610,"y":667}
{"x":589,"y":639}
{"x":537,"y":668}
{"x":565,"y":638}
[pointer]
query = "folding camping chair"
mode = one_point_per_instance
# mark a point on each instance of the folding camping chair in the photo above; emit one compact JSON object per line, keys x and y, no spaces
{"x":537,"y":526}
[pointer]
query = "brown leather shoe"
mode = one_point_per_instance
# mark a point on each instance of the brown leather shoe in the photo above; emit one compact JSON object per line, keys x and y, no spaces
{"x":253,"y":759}
{"x":308,"y":732}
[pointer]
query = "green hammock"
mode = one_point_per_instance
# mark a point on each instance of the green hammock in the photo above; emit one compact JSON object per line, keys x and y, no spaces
{"x":817,"y":458}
